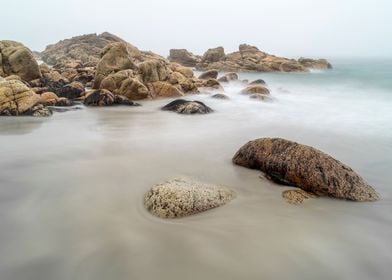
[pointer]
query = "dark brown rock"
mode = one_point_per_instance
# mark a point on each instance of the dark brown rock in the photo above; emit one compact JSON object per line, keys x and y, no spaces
{"x":182,"y":106}
{"x":304,"y":167}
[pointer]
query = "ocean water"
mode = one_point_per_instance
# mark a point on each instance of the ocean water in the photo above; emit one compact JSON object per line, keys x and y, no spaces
{"x":72,"y":186}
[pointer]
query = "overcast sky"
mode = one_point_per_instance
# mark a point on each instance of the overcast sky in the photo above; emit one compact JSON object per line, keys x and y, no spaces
{"x":327,"y":28}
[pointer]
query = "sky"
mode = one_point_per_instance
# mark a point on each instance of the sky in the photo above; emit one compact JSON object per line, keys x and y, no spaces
{"x":293,"y":28}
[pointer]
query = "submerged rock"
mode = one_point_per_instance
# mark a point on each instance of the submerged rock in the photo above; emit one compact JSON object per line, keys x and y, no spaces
{"x":182,"y":106}
{"x":182,"y":197}
{"x":228,"y":77}
{"x":259,"y":89}
{"x":304,"y":167}
{"x":297,"y":196}
{"x":220,"y":96}
{"x":258,"y":82}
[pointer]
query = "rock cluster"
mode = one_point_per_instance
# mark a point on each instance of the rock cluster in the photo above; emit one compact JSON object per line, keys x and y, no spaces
{"x":183,"y":197}
{"x":304,"y":167}
{"x":248,"y":58}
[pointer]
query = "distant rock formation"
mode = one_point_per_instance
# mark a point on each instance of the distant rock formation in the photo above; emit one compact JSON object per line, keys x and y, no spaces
{"x":87,"y":49}
{"x":248,"y":58}
{"x":183,"y":57}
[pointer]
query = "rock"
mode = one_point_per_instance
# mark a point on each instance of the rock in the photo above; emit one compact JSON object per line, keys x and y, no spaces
{"x":13,"y":77}
{"x":255,"y":89}
{"x":40,"y":110}
{"x":304,"y":167}
{"x":85,"y":48}
{"x":227,"y":77}
{"x":185,"y":71}
{"x":163,"y":89}
{"x":261,"y":97}
{"x":115,"y":57}
{"x":315,"y":63}
{"x":183,"y":57}
{"x":51,"y":99}
{"x":257,"y":82}
{"x":181,"y":197}
{"x":182,"y":106}
{"x":297,"y":196}
{"x":44,"y":68}
{"x":16,"y":59}
{"x":153,"y":71}
{"x":212,"y":84}
{"x":213,"y":55}
{"x":17,"y":99}
{"x":220,"y":96}
{"x":113,"y":81}
{"x":103,"y":97}
{"x":133,"y":89}
{"x":73,"y":90}
{"x":210,"y":74}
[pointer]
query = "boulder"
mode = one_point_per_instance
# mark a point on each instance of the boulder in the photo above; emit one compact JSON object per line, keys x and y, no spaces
{"x":181,"y":197}
{"x":51,"y":99}
{"x":163,"y":89}
{"x":257,"y":82}
{"x":133,"y":89}
{"x":73,"y":90}
{"x":228,"y":77}
{"x":115,"y":57}
{"x":103,"y":97}
{"x":16,"y":59}
{"x":18,"y":99}
{"x":153,"y":71}
{"x":220,"y":96}
{"x":183,"y":57}
{"x":210,"y":74}
{"x":213,"y":55}
{"x":304,"y":167}
{"x":255,"y":89}
{"x":182,"y":106}
{"x":114,"y":81}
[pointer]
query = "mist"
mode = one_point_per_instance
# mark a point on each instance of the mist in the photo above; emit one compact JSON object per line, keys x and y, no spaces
{"x":318,"y":28}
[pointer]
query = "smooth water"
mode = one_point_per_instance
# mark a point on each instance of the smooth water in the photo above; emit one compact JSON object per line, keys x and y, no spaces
{"x":72,"y":186}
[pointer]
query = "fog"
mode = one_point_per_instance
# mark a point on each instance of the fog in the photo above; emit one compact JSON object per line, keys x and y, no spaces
{"x":328,"y":28}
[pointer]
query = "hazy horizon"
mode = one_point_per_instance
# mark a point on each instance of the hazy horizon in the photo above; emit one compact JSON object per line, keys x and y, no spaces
{"x":291,"y":28}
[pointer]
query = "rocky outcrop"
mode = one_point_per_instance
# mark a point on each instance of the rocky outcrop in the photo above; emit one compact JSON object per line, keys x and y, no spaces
{"x":183,"y":197}
{"x":315,"y":63}
{"x":16,"y":59}
{"x":115,"y":57}
{"x":85,"y":48}
{"x":183,"y":57}
{"x":250,"y":59}
{"x":18,"y":99}
{"x":182,"y":106}
{"x":304,"y":167}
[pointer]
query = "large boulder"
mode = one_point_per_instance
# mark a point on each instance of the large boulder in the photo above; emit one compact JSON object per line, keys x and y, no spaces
{"x":182,"y":106}
{"x":183,"y":57}
{"x":133,"y":89}
{"x":18,"y":99}
{"x":183,"y":197}
{"x":115,"y":57}
{"x":163,"y":89}
{"x":16,"y":59}
{"x":304,"y":167}
{"x":153,"y":71}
